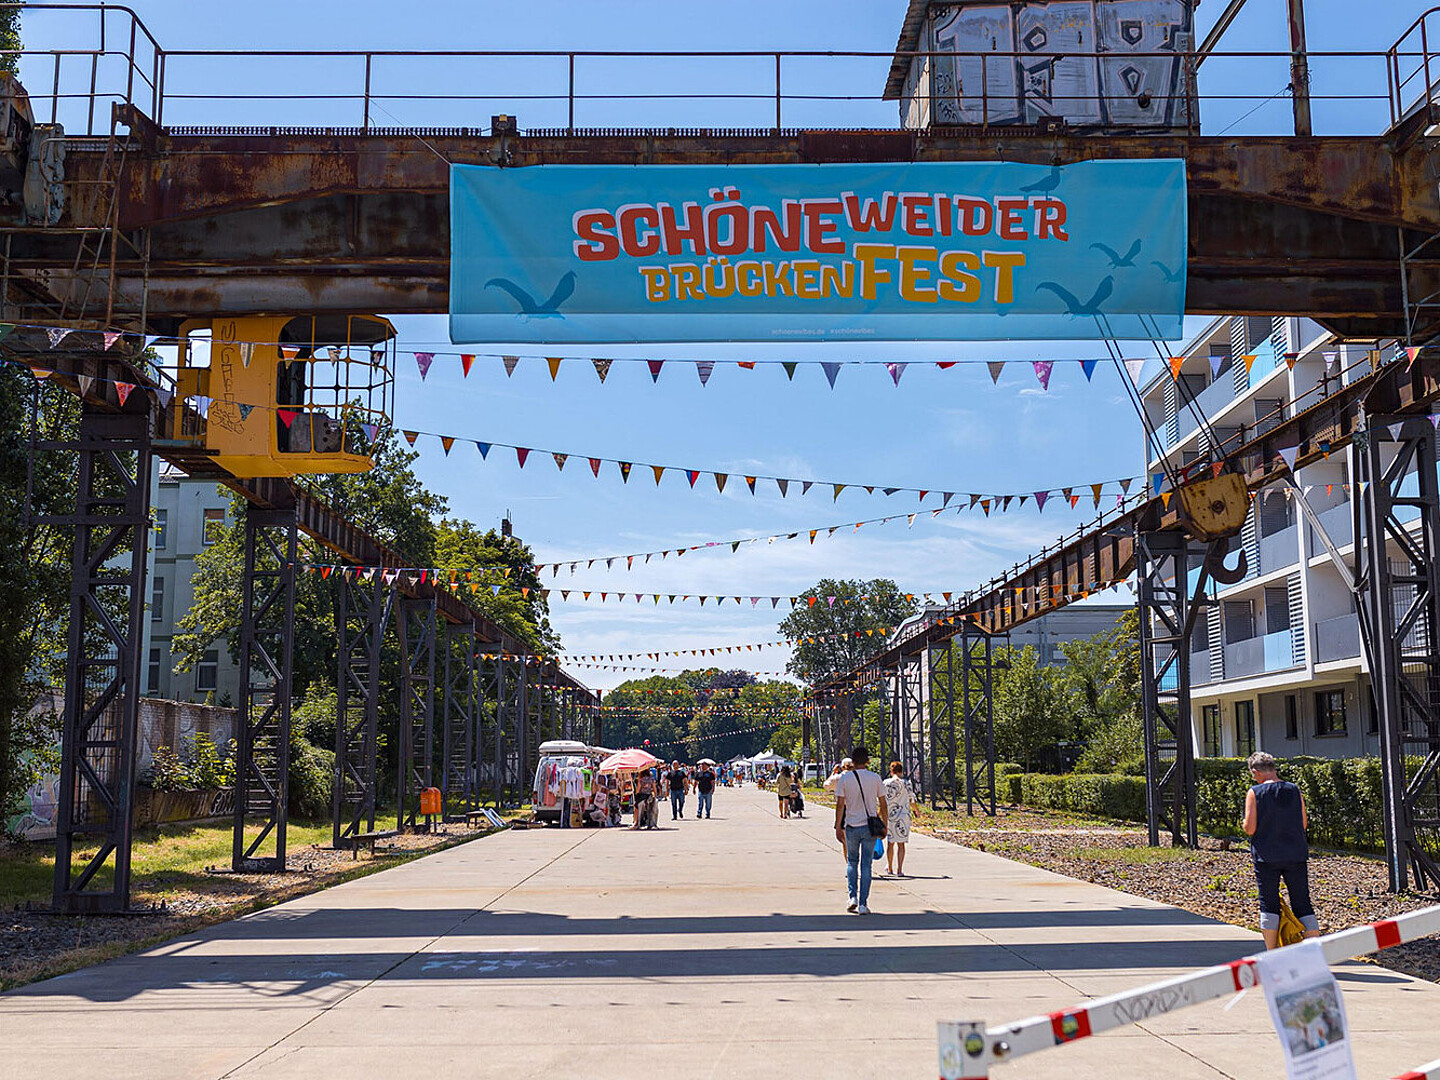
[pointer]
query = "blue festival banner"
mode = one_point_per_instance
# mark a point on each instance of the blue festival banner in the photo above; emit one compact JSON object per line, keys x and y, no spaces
{"x":853,"y":252}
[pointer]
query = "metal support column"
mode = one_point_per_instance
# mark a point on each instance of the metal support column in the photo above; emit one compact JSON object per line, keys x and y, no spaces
{"x":978,"y":664}
{"x":944,"y":786}
{"x":845,"y":729}
{"x":362,"y":611}
{"x":1397,"y":526}
{"x":880,"y":751}
{"x":100,"y":734}
{"x":524,"y":728}
{"x":1166,"y":620}
{"x":457,"y":769}
{"x":417,"y":630}
{"x":267,"y":640}
{"x":910,"y":746}
{"x":491,"y":750}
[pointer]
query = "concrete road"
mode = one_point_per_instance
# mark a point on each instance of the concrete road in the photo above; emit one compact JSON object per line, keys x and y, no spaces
{"x":715,"y":948}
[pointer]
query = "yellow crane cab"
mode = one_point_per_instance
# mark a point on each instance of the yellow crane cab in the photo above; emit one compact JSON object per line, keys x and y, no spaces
{"x":282,"y":395}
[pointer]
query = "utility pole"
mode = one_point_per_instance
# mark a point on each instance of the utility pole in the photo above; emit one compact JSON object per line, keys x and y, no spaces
{"x":1299,"y":68}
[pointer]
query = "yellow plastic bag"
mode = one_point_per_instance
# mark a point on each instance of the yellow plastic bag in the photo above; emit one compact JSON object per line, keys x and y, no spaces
{"x":1291,"y":928}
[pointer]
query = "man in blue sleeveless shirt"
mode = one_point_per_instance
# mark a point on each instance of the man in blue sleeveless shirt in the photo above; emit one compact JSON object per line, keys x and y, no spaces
{"x":1275,"y":821}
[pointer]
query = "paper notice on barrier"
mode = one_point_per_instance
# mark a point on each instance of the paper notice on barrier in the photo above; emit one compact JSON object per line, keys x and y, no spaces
{"x":1308,"y":1013}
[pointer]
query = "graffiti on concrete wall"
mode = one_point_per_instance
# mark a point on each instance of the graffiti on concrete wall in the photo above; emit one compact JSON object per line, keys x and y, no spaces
{"x":38,"y":807}
{"x":1093,"y":63}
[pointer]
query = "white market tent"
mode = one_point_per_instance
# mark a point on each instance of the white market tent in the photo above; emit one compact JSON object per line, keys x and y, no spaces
{"x":769,"y":757}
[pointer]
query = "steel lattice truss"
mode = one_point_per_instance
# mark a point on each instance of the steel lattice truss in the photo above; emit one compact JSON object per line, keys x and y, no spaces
{"x":417,"y":630}
{"x":267,"y":637}
{"x":1399,"y":591}
{"x":102,"y":686}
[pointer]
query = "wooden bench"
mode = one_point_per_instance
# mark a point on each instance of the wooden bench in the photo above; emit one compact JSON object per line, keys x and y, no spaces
{"x":355,"y":840}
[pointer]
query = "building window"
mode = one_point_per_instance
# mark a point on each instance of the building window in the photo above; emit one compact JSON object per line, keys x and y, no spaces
{"x":1210,"y":730}
{"x":162,"y":529}
{"x":1292,"y":717}
{"x":1239,"y":620}
{"x":1329,"y":712}
{"x":207,"y":672}
{"x":152,"y":673}
{"x":1244,"y":728}
{"x":214,"y":526}
{"x":157,"y":600}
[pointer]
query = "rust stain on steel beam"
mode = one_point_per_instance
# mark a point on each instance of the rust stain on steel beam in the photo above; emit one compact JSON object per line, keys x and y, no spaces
{"x":196,"y":175}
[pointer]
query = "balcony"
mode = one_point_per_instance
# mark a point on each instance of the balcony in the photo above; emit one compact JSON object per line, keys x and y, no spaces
{"x":1339,"y":525}
{"x":1279,"y":650}
{"x":1200,"y":668}
{"x":1209,"y":401}
{"x":1337,"y":639}
{"x":1279,"y":550}
{"x":1245,"y":658}
{"x":1257,"y":655}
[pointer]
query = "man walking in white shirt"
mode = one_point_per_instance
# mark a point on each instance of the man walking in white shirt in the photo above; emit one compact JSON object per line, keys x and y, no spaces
{"x":858,"y":798}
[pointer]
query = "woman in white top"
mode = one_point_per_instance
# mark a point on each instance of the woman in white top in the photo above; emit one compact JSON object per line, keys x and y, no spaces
{"x":898,"y":799}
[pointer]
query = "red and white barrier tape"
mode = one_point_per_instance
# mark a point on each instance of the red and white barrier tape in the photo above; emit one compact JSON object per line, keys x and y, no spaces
{"x":1424,"y":1072}
{"x":968,"y":1050}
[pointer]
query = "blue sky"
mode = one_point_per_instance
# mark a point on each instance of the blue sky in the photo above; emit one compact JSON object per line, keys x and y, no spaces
{"x":944,"y":430}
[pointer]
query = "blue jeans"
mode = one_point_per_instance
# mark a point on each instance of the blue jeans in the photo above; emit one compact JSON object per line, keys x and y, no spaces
{"x":703,"y":798}
{"x":858,"y":845}
{"x":677,"y":804}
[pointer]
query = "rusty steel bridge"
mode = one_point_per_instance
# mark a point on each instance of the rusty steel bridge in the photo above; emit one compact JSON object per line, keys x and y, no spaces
{"x":122,"y":218}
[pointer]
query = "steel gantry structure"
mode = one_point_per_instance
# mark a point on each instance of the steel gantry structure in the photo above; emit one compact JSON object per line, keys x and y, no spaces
{"x":113,"y":450}
{"x":129,"y":222}
{"x":1175,"y":550}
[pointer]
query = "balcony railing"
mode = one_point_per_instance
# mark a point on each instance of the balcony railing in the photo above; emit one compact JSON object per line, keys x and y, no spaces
{"x":1337,"y":639}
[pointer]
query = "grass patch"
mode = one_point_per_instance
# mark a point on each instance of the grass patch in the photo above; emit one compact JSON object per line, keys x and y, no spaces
{"x":1135,"y":856}
{"x":66,"y":960}
{"x":162,"y":858}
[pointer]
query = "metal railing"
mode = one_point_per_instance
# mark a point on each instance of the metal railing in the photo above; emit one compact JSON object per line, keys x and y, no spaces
{"x":94,"y":55}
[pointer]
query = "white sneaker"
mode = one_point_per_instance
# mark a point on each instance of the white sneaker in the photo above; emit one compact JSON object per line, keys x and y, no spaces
{"x":850,"y":907}
{"x":864,"y":910}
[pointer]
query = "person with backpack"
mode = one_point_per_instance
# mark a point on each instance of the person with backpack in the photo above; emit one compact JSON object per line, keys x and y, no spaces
{"x":1275,"y":821}
{"x":860,"y":820}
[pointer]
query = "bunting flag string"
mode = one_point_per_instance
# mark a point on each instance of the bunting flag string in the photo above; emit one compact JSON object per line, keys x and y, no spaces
{"x":1038,"y":594}
{"x":988,"y":502}
{"x":425,"y":358}
{"x":764,"y":729}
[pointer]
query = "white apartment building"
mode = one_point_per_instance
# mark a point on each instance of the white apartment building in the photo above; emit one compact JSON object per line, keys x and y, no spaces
{"x":186,"y":514}
{"x":1276,"y":662}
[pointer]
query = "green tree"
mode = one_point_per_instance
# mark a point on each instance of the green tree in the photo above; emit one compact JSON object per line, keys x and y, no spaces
{"x":10,"y":40}
{"x":1030,"y":718}
{"x":34,"y":573}
{"x":1101,"y":681}
{"x":464,"y":546}
{"x":389,"y":502}
{"x":658,"y":709}
{"x":838,"y":624}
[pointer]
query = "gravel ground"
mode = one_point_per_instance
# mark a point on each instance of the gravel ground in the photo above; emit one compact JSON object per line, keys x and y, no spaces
{"x":36,"y":945}
{"x":1216,"y":881}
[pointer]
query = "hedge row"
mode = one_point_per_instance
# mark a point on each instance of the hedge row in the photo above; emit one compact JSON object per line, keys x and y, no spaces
{"x":1097,"y":794}
{"x":1343,"y":797}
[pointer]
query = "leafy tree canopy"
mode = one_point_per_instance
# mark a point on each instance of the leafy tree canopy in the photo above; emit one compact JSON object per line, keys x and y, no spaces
{"x":463,"y":544}
{"x":704,"y":713}
{"x":837,"y":625}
